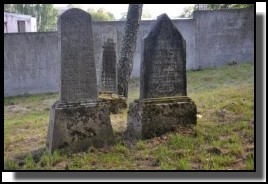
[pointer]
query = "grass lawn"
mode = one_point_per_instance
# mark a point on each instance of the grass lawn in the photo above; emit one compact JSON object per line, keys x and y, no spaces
{"x":223,"y":138}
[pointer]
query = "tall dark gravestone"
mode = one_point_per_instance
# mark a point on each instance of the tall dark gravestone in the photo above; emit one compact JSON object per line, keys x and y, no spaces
{"x":163,"y":66}
{"x":163,"y":105}
{"x":78,"y":120}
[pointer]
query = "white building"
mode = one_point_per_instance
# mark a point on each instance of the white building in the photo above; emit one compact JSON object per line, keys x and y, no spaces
{"x":17,"y":23}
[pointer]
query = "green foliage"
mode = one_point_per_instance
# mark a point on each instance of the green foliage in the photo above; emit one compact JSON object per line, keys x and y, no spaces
{"x":146,"y":15}
{"x":46,"y":15}
{"x":100,"y":15}
{"x":188,"y":12}
{"x":74,"y":6}
{"x":11,"y":165}
{"x":29,"y":163}
{"x":243,"y":6}
{"x":229,"y":6}
{"x":183,"y":164}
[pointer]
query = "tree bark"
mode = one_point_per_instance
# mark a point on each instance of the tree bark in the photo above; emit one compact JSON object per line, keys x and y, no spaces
{"x":125,"y":63}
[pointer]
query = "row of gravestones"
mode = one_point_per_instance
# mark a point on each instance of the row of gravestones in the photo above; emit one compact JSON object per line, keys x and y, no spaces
{"x":80,"y":119}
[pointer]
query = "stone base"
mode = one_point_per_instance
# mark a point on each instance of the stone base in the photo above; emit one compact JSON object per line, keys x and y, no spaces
{"x":153,"y":117}
{"x":115,"y":102}
{"x":76,"y":127}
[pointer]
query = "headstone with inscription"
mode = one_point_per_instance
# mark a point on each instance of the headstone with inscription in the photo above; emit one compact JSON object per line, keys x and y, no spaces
{"x":78,"y":120}
{"x":163,"y":105}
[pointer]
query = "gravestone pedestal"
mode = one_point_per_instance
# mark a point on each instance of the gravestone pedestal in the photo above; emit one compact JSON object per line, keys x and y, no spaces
{"x":76,"y":127}
{"x":153,"y":117}
{"x":116,"y":103}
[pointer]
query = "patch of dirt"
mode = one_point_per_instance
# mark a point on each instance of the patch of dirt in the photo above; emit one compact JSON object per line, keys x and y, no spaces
{"x":239,"y":164}
{"x":63,"y":165}
{"x":16,"y":109}
{"x":225,"y":116}
{"x":196,"y":165}
{"x":214,"y":150}
{"x":147,"y":163}
{"x":187,"y":131}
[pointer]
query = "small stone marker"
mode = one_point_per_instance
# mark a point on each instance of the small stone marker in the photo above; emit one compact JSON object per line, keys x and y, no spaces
{"x":163,"y":105}
{"x":78,"y":120}
{"x":108,"y":74}
{"x":108,"y":88}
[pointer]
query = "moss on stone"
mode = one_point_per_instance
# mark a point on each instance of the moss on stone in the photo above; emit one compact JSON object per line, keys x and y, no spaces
{"x":115,"y":102}
{"x":161,"y":115}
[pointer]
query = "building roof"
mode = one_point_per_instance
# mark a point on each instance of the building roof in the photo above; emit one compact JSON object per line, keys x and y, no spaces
{"x":18,"y":15}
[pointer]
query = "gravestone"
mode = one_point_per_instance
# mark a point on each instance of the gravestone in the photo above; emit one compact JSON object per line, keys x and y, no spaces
{"x":108,"y":74}
{"x":78,"y":120}
{"x":108,"y":88}
{"x":163,"y":105}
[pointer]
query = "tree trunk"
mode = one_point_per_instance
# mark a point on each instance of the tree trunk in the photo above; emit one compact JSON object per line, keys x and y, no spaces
{"x":125,"y":63}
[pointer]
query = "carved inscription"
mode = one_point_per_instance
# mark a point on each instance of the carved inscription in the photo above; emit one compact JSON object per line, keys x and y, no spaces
{"x":78,"y":73}
{"x":165,"y":71}
{"x":164,"y":61}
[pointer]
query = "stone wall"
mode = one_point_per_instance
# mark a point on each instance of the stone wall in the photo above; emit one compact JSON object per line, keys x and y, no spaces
{"x":213,"y":38}
{"x":222,"y":36}
{"x":30,"y":63}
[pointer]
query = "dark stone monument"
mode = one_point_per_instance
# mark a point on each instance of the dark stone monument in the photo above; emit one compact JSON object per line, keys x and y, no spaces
{"x":163,"y":105}
{"x":78,"y":120}
{"x":108,"y":74}
{"x":108,"y":91}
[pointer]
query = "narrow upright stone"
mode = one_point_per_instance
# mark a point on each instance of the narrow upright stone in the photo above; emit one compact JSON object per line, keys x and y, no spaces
{"x":163,"y":66}
{"x":76,"y":53}
{"x":108,"y":74}
{"x":78,"y":120}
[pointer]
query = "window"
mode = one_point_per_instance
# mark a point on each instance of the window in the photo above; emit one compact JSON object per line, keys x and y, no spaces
{"x":21,"y":26}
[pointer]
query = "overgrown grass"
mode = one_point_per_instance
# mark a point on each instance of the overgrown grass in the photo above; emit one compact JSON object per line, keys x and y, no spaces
{"x":223,"y":138}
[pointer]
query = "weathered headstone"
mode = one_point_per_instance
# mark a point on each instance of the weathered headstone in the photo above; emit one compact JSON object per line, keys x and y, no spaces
{"x":108,"y":88}
{"x":163,"y":66}
{"x":163,"y":105}
{"x":78,"y":120}
{"x":108,"y":74}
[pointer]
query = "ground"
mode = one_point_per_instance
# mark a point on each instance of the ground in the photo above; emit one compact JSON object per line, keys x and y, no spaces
{"x":223,"y":138}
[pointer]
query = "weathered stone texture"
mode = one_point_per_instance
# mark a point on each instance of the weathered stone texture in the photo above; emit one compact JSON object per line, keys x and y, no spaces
{"x":78,"y":72}
{"x":163,"y":105}
{"x":76,"y":127}
{"x":154,"y":117}
{"x":116,"y":103}
{"x":163,"y":66}
{"x":78,"y":120}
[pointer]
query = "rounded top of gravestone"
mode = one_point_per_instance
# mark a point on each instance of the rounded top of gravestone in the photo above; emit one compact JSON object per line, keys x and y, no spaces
{"x":74,"y":12}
